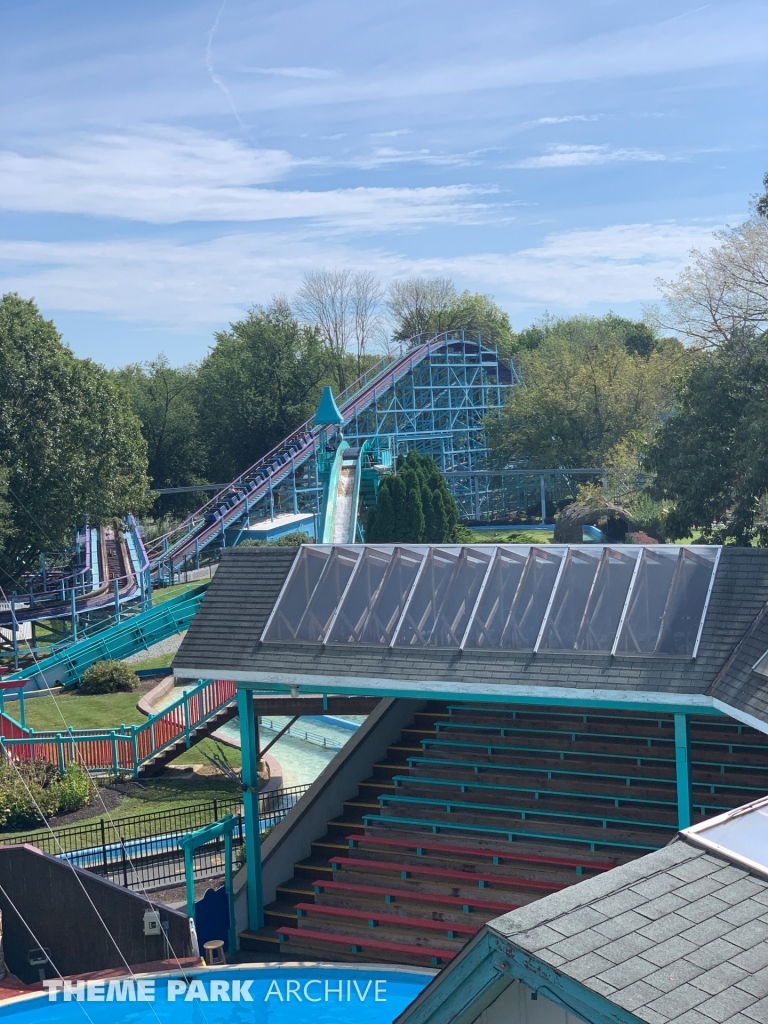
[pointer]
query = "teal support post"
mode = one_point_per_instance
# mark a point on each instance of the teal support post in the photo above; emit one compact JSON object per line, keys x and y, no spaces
{"x":187,"y":729}
{"x":683,"y":768}
{"x":22,"y":710}
{"x":230,"y":888}
{"x":189,"y":843}
{"x":250,"y":758}
{"x":15,"y":632}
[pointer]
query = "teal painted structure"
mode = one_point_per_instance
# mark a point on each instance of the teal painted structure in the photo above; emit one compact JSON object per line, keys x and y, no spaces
{"x":683,"y":768}
{"x":432,"y":394}
{"x":249,"y":750}
{"x":113,"y":638}
{"x":328,"y":414}
{"x":126,"y":749}
{"x":191,"y":842}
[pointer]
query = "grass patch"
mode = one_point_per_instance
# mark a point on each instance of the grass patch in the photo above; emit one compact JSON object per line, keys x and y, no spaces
{"x":512,"y":535}
{"x":161,"y":661}
{"x":167,"y":793}
{"x":104,"y":711}
{"x":195,"y":754}
{"x":166,"y":593}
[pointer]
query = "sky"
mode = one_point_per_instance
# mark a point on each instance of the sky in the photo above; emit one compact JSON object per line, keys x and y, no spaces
{"x":165,"y":166}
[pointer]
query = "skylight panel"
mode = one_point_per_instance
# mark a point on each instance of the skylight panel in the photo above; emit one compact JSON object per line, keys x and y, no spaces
{"x":298,"y":589}
{"x":667,"y":601}
{"x":602,"y":614}
{"x":385,"y":605}
{"x":684,"y":609}
{"x":361,"y":595}
{"x":327,"y":595}
{"x":740,"y":835}
{"x":531,"y":599}
{"x":570,"y":600}
{"x":495,"y":599}
{"x":439,"y":610}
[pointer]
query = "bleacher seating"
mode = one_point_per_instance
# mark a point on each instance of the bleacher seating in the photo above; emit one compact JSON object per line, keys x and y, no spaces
{"x":478,"y":810}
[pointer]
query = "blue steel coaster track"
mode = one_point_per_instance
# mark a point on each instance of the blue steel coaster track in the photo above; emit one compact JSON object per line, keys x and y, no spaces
{"x":182,"y":545}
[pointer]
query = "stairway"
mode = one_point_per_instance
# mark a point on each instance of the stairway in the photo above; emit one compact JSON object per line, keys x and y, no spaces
{"x":201,"y":732}
{"x":477,"y":810}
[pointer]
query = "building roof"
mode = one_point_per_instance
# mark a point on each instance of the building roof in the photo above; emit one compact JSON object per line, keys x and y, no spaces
{"x":678,"y":935}
{"x":225,"y":639}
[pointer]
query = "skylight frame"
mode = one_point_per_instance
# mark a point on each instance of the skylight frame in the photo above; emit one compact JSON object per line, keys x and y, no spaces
{"x":478,"y":599}
{"x":286,"y":583}
{"x":715,"y":566}
{"x":564,"y":553}
{"x":695,"y":834}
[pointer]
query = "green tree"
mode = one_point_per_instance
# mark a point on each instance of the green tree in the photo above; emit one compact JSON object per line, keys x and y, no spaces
{"x":165,"y":400}
{"x":710,"y":459}
{"x":260,"y":381}
{"x":589,"y":385}
{"x":414,"y":505}
{"x":761,"y":201}
{"x":420,"y":305}
{"x":69,"y":442}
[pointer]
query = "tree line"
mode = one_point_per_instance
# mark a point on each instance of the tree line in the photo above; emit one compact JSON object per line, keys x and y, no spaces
{"x":677,"y":402}
{"x":681,"y":421}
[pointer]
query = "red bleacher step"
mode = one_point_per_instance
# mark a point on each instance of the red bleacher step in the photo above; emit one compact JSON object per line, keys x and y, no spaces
{"x":498,"y":858}
{"x":471,"y":876}
{"x":404,"y":894}
{"x":284,"y":934}
{"x":394,"y":919}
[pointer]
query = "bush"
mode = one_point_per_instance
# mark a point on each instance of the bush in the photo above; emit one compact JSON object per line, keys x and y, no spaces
{"x":109,"y":677}
{"x":288,"y":540}
{"x":24,"y":784}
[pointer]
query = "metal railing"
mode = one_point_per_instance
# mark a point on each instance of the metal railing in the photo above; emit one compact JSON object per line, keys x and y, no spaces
{"x":123,"y":750}
{"x":299,"y":733}
{"x":142,"y":852}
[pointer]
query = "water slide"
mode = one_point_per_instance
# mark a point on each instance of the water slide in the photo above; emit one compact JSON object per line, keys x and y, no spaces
{"x":182,"y":545}
{"x":113,"y":569}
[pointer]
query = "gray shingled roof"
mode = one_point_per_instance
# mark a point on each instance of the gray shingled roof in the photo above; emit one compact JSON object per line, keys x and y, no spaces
{"x":225,"y":634}
{"x":678,"y":935}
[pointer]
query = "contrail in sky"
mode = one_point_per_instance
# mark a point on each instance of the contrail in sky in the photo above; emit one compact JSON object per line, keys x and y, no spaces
{"x":217,"y":81}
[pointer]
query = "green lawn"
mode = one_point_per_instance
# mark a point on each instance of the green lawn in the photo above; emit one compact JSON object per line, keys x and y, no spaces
{"x":195,"y":754}
{"x":166,"y":593}
{"x":513,"y":535}
{"x":161,"y":661}
{"x":106,"y":711}
{"x":151,"y":796}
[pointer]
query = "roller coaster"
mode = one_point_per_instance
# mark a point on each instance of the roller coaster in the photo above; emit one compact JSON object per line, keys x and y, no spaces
{"x":431,"y":393}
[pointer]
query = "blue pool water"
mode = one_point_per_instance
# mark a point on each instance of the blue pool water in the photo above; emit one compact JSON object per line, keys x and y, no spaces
{"x":267,"y":994}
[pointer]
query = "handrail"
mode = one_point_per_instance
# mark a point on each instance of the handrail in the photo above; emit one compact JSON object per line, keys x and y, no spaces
{"x":126,"y":748}
{"x":61,"y":596}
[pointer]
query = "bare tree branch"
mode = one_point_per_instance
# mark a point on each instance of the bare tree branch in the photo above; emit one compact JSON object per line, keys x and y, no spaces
{"x":723,"y":294}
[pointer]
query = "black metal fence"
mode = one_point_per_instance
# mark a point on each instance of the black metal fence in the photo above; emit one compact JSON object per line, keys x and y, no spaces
{"x":141,"y":852}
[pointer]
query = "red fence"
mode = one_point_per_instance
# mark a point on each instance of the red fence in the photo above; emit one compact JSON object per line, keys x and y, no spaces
{"x":125,"y":749}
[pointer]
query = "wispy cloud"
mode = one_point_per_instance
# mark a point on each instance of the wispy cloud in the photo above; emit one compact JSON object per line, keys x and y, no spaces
{"x":384,"y":155}
{"x":211,"y":282}
{"x":315,"y":74}
{"x":588,"y":156}
{"x":392,"y":134}
{"x":169,"y":176}
{"x":217,"y":79}
{"x":567,"y":118}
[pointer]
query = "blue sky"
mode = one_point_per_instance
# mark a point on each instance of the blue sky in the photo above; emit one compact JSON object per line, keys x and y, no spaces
{"x":164,"y":166}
